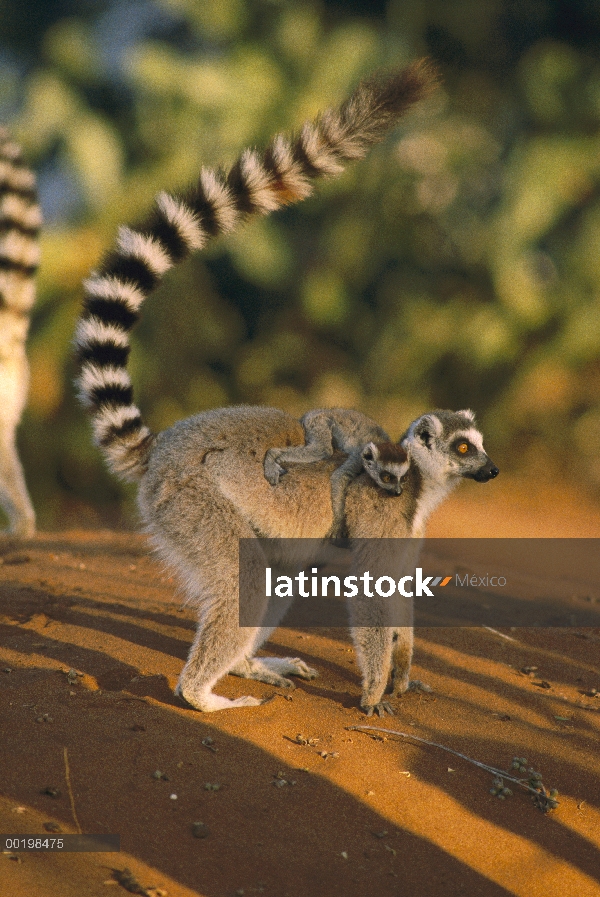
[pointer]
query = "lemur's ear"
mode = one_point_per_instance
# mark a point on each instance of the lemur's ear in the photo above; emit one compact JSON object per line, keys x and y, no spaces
{"x":470,"y":415}
{"x":426,"y":428}
{"x":370,"y":453}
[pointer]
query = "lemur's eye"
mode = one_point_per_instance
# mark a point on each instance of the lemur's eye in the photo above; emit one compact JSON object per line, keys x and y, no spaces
{"x":386,"y":478}
{"x":463,"y":448}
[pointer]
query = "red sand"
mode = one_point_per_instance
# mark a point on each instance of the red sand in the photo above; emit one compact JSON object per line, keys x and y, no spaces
{"x":370,"y":817}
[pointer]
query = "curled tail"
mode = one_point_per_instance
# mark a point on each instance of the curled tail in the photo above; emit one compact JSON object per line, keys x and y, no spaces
{"x":179,"y":224}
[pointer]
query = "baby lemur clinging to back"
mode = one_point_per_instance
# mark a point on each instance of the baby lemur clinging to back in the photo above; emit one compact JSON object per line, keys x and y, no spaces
{"x":201,"y":482}
{"x":367,"y":445}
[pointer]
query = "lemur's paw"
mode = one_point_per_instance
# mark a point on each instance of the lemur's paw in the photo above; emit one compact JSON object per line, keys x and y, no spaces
{"x":289,"y":666}
{"x":208,"y":702}
{"x":301,"y":669}
{"x":246,"y":701}
{"x":273,"y":470}
{"x":382,"y":708}
{"x":281,"y":682}
{"x":338,"y":537}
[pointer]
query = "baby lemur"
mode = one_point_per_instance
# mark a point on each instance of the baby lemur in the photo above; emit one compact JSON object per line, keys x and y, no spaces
{"x":201,"y":482}
{"x":20,"y":221}
{"x":353,"y":433}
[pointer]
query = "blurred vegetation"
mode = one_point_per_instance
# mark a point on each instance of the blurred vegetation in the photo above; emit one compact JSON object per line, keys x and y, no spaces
{"x":459,"y":265}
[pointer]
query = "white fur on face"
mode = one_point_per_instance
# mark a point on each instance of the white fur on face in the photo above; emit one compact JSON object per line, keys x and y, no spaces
{"x":437,"y":463}
{"x":398,"y":469}
{"x":473,"y":436}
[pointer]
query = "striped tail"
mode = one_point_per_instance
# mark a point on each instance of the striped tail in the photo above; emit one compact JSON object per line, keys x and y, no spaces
{"x":20,"y":222}
{"x":258,"y":183}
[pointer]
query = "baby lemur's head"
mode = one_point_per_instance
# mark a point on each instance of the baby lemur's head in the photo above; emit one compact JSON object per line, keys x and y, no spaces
{"x":387,"y":463}
{"x":446,"y":445}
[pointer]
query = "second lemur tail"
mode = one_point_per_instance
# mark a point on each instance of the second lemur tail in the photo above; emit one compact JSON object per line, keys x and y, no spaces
{"x":20,"y":222}
{"x":258,"y":183}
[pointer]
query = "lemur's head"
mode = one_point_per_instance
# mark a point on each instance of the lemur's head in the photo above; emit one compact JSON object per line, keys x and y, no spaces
{"x":387,"y":463}
{"x":446,"y":445}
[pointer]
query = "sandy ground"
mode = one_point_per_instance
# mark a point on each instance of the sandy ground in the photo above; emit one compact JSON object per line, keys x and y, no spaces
{"x":304,"y":806}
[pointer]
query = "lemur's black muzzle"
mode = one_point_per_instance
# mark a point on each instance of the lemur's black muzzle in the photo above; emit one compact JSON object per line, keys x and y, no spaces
{"x":489,"y":471}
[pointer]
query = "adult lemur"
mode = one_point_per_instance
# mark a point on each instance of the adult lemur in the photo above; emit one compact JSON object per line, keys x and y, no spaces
{"x":201,"y":482}
{"x":20,"y":221}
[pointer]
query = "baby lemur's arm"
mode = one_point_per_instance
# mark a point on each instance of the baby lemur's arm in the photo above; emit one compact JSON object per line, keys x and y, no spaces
{"x":318,"y":430}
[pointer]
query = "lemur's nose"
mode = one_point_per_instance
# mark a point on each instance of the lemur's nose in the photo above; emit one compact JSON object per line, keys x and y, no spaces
{"x":494,"y":472}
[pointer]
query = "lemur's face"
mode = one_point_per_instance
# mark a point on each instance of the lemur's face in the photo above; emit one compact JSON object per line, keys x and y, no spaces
{"x":387,"y":464}
{"x":447,"y":445}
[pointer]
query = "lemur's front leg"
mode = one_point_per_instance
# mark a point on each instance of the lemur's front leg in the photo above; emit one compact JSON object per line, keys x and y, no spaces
{"x":373,"y":647}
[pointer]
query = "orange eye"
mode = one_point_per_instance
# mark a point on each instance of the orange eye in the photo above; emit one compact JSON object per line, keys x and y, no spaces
{"x":386,"y":478}
{"x":463,"y":448}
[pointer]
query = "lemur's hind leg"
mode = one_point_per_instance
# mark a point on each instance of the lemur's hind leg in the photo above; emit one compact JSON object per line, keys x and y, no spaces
{"x":402,"y":650}
{"x":217,"y":647}
{"x":318,"y":447}
{"x":272,"y":670}
{"x":198,"y":530}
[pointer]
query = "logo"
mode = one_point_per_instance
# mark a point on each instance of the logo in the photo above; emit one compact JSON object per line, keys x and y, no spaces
{"x":384,"y":586}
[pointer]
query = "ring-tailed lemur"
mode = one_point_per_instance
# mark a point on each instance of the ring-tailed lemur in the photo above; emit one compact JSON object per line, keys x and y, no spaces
{"x":201,"y":482}
{"x":367,"y":445}
{"x":20,"y":221}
